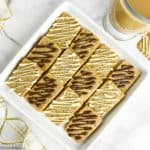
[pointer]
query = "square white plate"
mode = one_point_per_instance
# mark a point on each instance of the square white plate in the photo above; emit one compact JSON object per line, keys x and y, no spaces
{"x":42,"y":127}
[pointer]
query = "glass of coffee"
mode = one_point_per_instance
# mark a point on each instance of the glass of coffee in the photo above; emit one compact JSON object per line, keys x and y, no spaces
{"x":127,"y":18}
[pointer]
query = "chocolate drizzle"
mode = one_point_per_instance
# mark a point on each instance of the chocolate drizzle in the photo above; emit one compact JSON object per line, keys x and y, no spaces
{"x":82,"y":83}
{"x":41,"y":91}
{"x":123,"y":75}
{"x":83,"y":43}
{"x":43,"y":53}
{"x":81,"y":124}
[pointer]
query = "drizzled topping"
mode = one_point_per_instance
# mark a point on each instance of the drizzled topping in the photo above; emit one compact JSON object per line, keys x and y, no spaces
{"x":103,"y":60}
{"x":82,"y":124}
{"x":62,"y":108}
{"x":84,"y":43}
{"x":44,"y":53}
{"x":41,"y":91}
{"x":105,"y":98}
{"x":23,"y":77}
{"x":144,"y":46}
{"x":64,"y":30}
{"x":65,"y":67}
{"x":124,"y":75}
{"x":83,"y":82}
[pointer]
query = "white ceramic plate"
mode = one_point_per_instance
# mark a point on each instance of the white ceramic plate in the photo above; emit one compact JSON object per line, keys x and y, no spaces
{"x":41,"y":126}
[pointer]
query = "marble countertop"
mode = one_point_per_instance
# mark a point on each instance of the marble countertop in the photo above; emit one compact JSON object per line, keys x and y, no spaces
{"x":130,"y":130}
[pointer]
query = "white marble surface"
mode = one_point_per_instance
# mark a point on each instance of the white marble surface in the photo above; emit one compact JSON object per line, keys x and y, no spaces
{"x":130,"y":128}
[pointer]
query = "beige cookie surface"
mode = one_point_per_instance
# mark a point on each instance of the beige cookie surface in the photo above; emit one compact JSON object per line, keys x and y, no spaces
{"x":63,"y":30}
{"x":23,"y":77}
{"x":144,"y":46}
{"x":124,"y":75}
{"x":103,"y":60}
{"x":105,"y":98}
{"x":44,"y":53}
{"x":83,"y":124}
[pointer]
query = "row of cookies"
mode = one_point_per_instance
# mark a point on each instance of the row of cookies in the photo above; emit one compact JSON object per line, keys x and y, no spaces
{"x":106,"y":97}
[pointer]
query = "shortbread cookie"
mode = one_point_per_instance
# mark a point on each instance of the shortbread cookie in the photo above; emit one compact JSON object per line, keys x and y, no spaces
{"x":63,"y":30}
{"x":85,"y":82}
{"x":44,"y":53}
{"x":83,"y":124}
{"x":24,"y":76}
{"x":65,"y":67}
{"x":103,"y":60}
{"x":83,"y":85}
{"x":105,"y":98}
{"x":124,"y":75}
{"x":144,"y":45}
{"x":85,"y":44}
{"x":63,"y":107}
{"x":42,"y":93}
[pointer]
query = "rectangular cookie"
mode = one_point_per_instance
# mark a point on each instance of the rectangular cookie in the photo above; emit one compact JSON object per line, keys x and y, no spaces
{"x":83,"y":124}
{"x":80,"y":88}
{"x":24,"y":76}
{"x":144,"y":45}
{"x":44,"y":53}
{"x":84,"y":44}
{"x":105,"y":98}
{"x":43,"y":91}
{"x":124,"y":75}
{"x":103,"y":60}
{"x":64,"y":30}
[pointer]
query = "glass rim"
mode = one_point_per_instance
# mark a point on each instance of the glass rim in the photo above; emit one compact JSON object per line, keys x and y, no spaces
{"x":135,"y":13}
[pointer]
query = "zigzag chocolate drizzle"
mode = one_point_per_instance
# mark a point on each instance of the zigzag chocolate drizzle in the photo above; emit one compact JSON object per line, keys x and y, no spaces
{"x":44,"y":53}
{"x":82,"y":83}
{"x":41,"y":91}
{"x":82,"y":125}
{"x":84,"y":43}
{"x":124,"y":75}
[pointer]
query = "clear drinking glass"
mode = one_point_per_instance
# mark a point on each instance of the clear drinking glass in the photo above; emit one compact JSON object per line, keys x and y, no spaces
{"x":124,"y":22}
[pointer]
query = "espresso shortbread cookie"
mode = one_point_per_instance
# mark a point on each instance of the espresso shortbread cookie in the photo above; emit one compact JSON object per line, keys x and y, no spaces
{"x":63,"y":107}
{"x":44,"y":53}
{"x":85,"y":44}
{"x":144,"y":45}
{"x":82,"y":85}
{"x":83,"y":124}
{"x":65,"y":67}
{"x":124,"y":75}
{"x":103,"y":60}
{"x":42,"y":93}
{"x":105,"y":98}
{"x":24,"y":76}
{"x":63,"y":30}
{"x":85,"y":82}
